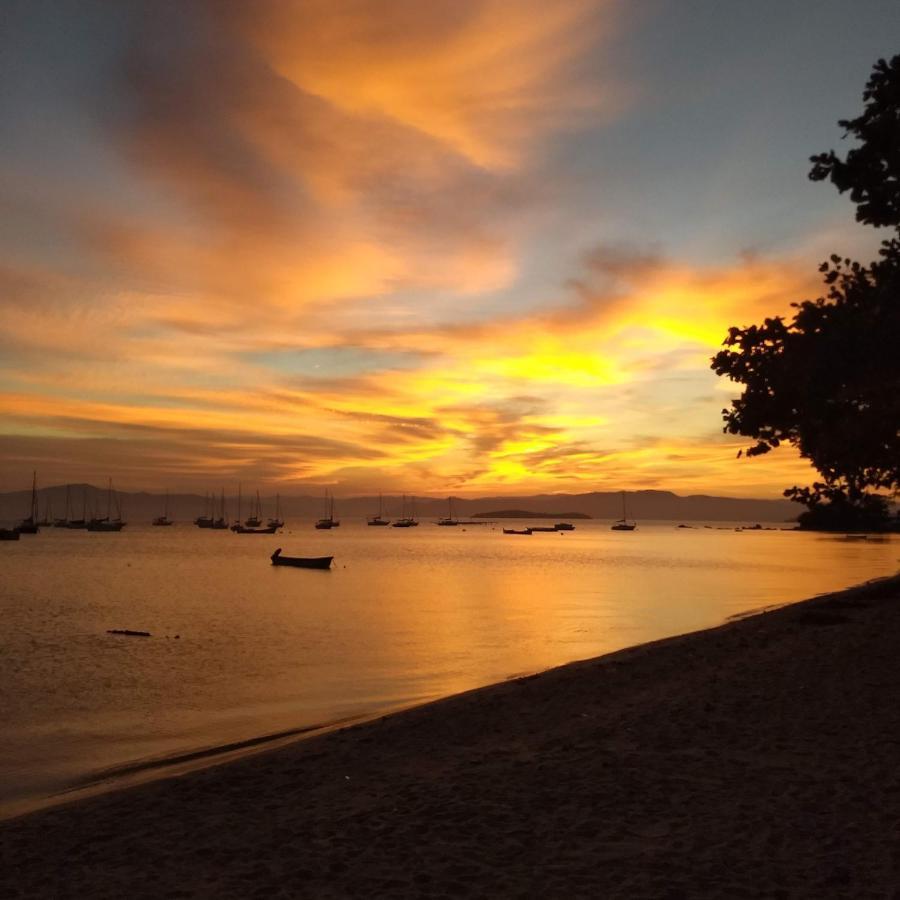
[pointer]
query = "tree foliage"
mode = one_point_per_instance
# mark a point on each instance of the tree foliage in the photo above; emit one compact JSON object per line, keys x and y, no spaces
{"x":871,"y":171}
{"x":828,"y":380}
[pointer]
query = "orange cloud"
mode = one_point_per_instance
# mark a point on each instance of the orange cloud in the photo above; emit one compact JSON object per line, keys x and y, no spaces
{"x":326,"y":285}
{"x":320,"y":153}
{"x":615,"y":382}
{"x":477,"y":76}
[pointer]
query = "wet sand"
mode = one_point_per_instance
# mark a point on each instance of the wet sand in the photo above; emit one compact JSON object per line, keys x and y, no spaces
{"x":757,"y":759}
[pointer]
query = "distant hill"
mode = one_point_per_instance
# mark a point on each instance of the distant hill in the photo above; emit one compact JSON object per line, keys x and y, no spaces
{"x":642,"y":505}
{"x":528,"y":514}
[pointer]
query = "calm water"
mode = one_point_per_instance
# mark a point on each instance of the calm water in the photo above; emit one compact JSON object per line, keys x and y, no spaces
{"x":404,"y":616}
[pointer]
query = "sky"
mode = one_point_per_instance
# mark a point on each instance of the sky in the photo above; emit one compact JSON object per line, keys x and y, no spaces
{"x":469,"y":246}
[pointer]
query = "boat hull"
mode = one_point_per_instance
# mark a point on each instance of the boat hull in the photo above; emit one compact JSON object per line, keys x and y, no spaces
{"x":301,"y":562}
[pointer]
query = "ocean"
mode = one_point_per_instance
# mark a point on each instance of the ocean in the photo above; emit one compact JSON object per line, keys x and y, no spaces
{"x":240,"y":649}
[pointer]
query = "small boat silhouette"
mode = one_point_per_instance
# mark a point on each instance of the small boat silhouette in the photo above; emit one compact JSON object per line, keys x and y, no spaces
{"x":301,"y":562}
{"x":623,"y":524}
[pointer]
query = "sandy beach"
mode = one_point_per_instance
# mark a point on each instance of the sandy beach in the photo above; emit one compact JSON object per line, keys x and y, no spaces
{"x":757,"y":759}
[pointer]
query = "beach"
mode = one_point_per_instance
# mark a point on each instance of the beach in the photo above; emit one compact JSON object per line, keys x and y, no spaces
{"x":754,"y":759}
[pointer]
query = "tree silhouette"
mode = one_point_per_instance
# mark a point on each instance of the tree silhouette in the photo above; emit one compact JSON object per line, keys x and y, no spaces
{"x":828,"y":380}
{"x":871,"y":171}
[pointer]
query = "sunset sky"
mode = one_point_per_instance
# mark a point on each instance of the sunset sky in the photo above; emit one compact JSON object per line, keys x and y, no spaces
{"x":467,"y":246}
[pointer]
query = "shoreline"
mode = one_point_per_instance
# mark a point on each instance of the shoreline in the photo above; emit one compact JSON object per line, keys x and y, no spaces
{"x":190,"y":758}
{"x":160,"y":768}
{"x":573,"y":779}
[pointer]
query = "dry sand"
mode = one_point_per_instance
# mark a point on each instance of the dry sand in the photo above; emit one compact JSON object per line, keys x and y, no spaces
{"x":758,"y":759}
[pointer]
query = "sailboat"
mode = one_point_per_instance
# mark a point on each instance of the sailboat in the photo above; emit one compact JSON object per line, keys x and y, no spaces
{"x":247,"y":528}
{"x":379,"y":519}
{"x":220,"y":523}
{"x":328,"y":521}
{"x":237,"y":528}
{"x":255,"y":518}
{"x":276,"y":521}
{"x":107,"y":523}
{"x":164,"y":518}
{"x":406,"y":521}
{"x":623,"y":524}
{"x":47,"y":519}
{"x":448,"y":519}
{"x":206,"y":520}
{"x":82,"y":522}
{"x":237,"y":522}
{"x":29,"y":525}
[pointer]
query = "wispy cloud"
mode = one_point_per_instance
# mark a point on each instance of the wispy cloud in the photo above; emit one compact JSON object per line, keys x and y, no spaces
{"x":610,"y":387}
{"x":319,"y":274}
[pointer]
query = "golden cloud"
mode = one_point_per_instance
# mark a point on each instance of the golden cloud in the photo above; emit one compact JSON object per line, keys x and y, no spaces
{"x":337,"y":188}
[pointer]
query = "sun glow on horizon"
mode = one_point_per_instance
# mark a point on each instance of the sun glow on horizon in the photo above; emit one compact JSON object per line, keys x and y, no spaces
{"x":312,"y":244}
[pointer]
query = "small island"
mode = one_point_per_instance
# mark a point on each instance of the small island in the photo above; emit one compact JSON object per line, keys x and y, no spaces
{"x":529,"y":514}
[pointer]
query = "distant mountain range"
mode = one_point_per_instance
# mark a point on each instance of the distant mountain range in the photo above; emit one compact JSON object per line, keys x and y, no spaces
{"x":528,"y":514}
{"x":642,"y":505}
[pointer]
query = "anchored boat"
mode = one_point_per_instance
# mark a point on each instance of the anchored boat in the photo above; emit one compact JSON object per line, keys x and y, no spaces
{"x":379,"y":519}
{"x":301,"y":562}
{"x":623,"y":524}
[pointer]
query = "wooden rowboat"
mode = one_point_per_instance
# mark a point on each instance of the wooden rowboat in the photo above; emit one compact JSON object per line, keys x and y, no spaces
{"x":301,"y":562}
{"x":516,"y":531}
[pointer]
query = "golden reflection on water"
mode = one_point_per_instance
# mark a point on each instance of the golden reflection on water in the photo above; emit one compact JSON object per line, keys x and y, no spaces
{"x":403,"y":617}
